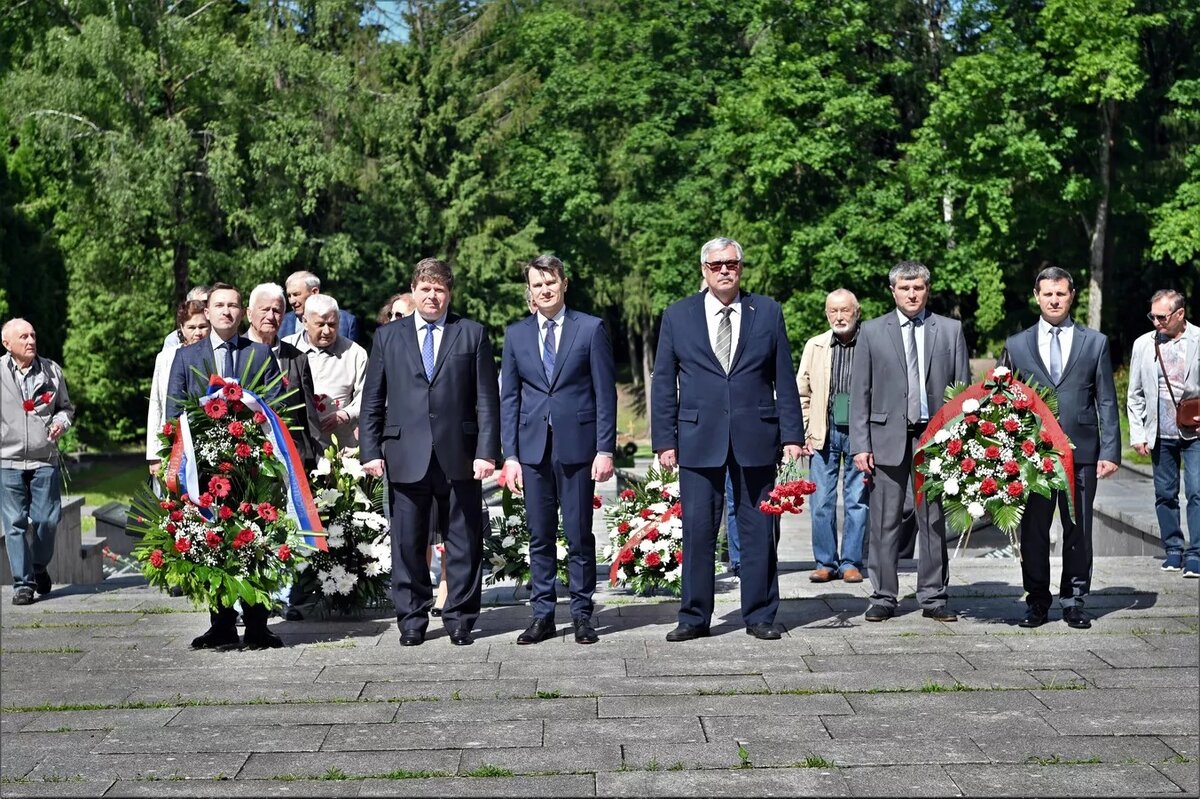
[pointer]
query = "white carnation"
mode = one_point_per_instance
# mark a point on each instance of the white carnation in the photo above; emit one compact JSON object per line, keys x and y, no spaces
{"x":970,"y":406}
{"x":941,"y":436}
{"x":975,"y":509}
{"x":1000,"y":371}
{"x":935,"y":466}
{"x":951,"y":487}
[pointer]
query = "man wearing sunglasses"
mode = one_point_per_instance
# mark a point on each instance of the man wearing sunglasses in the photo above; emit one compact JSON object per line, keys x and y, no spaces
{"x":1169,"y":352}
{"x":727,"y":352}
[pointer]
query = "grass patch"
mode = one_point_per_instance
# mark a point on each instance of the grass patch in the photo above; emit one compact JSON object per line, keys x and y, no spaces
{"x":47,"y":778}
{"x":1058,"y":760}
{"x":38,"y":624}
{"x":334,"y":645}
{"x":58,"y":650}
{"x":732,"y":691}
{"x":488,"y":770}
{"x":815,"y":761}
{"x":456,"y":695}
{"x":937,"y":688}
{"x":677,"y":766}
{"x":548,"y":695}
{"x":1180,"y":759}
{"x":744,"y":756}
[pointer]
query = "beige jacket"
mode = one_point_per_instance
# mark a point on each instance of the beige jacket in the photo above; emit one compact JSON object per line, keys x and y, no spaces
{"x":813,"y":381}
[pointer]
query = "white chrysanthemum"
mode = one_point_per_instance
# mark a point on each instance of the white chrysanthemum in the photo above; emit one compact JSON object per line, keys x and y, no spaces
{"x":513,"y":521}
{"x":671,"y":575}
{"x":951,"y":487}
{"x":941,"y":436}
{"x":935,"y":466}
{"x":1000,"y":371}
{"x":607,"y":552}
{"x":366,"y":547}
{"x":975,"y":509}
{"x":645,"y":545}
{"x":970,"y":406}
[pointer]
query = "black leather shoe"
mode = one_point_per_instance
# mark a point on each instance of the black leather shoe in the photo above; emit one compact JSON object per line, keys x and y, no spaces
{"x":23,"y":595}
{"x":585,"y":633}
{"x":1034,"y":617}
{"x":216,"y":637}
{"x":461,"y":636}
{"x":41,"y":581}
{"x":1077,"y":618}
{"x":686,"y":632}
{"x":941,"y":613}
{"x":261,"y":639}
{"x":412,"y":638}
{"x":539,"y":630}
{"x":766,"y":632}
{"x":879,"y":613}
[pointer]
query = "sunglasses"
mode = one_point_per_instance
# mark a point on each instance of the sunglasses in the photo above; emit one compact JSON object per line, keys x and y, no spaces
{"x":1160,"y":318}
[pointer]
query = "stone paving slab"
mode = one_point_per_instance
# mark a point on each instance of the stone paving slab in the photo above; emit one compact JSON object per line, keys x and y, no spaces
{"x":1185,"y":775}
{"x":1121,"y":749}
{"x":565,"y":732}
{"x":407,"y":672}
{"x":737,"y":782}
{"x":780,"y":705}
{"x":1068,"y":780}
{"x":1165,"y":677}
{"x":450,"y":689}
{"x":752,"y":729}
{"x":355,"y":764}
{"x":162,"y":765}
{"x":965,"y":723}
{"x":884,"y":752}
{"x":211,"y":788}
{"x":1143,"y":700}
{"x":656,"y":756}
{"x":650,"y":686}
{"x":485,"y":710}
{"x":909,"y":781}
{"x":579,"y":757}
{"x":59,"y":788}
{"x":434,"y":735}
{"x":227,"y":738}
{"x":945,"y":703}
{"x":1186,"y":745}
{"x":552,"y":785}
{"x":285,"y":714}
{"x":1102,"y":721}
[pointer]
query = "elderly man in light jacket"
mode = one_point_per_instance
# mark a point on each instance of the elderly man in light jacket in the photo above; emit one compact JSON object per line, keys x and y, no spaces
{"x":1153,"y":429}
{"x":824,"y":383}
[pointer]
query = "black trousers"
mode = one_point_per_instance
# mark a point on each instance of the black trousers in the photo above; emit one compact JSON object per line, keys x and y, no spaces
{"x":1076,"y":580}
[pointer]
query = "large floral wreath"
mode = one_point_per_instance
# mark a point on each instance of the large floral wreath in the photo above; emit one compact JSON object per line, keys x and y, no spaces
{"x":235,"y":507}
{"x":992,"y":446}
{"x":645,"y":535}
{"x":506,"y":550}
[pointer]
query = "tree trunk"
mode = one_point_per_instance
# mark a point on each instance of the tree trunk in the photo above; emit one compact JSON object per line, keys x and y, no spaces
{"x":1108,"y":112}
{"x":635,"y":374}
{"x":647,"y":363}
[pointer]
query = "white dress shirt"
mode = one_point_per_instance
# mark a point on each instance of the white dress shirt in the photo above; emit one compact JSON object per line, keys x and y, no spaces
{"x":438,"y":330}
{"x":712,"y":318}
{"x":217,"y":344}
{"x":338,"y":372}
{"x":558,"y":326}
{"x":919,"y":333}
{"x":1064,"y":341}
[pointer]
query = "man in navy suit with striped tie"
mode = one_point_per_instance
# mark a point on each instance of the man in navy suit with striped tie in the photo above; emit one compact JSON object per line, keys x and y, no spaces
{"x":558,"y":427}
{"x":736,"y":405}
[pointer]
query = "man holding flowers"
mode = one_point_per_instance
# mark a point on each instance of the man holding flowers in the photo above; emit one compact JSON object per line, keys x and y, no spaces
{"x":1074,"y":361}
{"x":904,"y":362}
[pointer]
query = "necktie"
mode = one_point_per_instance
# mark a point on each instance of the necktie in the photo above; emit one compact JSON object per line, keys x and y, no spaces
{"x":914,"y":373}
{"x":1056,"y":364}
{"x":228,"y":367}
{"x":548,"y":351}
{"x":427,"y":351}
{"x":724,"y":338}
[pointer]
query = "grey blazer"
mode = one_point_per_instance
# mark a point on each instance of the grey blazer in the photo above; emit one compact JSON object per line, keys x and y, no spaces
{"x":1087,"y":396}
{"x":1144,"y":374}
{"x":879,"y":382}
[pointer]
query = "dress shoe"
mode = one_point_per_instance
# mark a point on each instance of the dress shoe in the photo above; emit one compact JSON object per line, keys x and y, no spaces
{"x":1077,"y":618}
{"x":1034,"y":617}
{"x":292,"y":613}
{"x":539,"y":630}
{"x":585,"y":633}
{"x":461,"y":636}
{"x":766,"y":632}
{"x":686,"y":632}
{"x":23,"y":595}
{"x":41,"y":581}
{"x":852,"y":575}
{"x":412,"y":638}
{"x":216,"y":637}
{"x":940,"y":613}
{"x":261,"y":638}
{"x":879,"y":613}
{"x":822,"y":575}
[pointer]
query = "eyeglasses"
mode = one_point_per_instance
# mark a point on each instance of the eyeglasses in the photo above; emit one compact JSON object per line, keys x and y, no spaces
{"x":1160,"y":318}
{"x":395,"y":315}
{"x":721,"y":266}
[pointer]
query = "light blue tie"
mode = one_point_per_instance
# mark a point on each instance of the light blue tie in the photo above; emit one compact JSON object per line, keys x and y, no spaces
{"x":1056,"y":365}
{"x":427,"y":351}
{"x":548,"y":349}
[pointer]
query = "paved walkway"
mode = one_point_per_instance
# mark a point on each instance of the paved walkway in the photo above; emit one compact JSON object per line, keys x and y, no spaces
{"x":102,"y":696}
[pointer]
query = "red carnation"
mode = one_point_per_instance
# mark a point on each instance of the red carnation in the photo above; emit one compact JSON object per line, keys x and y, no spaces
{"x":1012,"y":425}
{"x":653,"y":560}
{"x":628,"y":493}
{"x":215,"y":408}
{"x":244,"y":537}
{"x":245,"y":507}
{"x":167,"y":504}
{"x":623,"y":527}
{"x":677,"y":509}
{"x":269,"y":450}
{"x":286,"y":382}
{"x":233,"y":391}
{"x":170,"y":527}
{"x":967,"y":465}
{"x":679,"y":557}
{"x":206,"y":499}
{"x":212,"y":539}
{"x":970,"y":418}
{"x":992,"y":452}
{"x":177,"y":516}
{"x":156,"y":558}
{"x":320,"y":407}
{"x":1022,"y":403}
{"x":987,"y":427}
{"x":236,"y":406}
{"x":243,"y":450}
{"x":168,"y":429}
{"x":225,"y":466}
{"x":989,"y":486}
{"x":1028,"y":447}
{"x":1045,"y":437}
{"x":652,"y":535}
{"x":1015,"y":489}
{"x":1012,"y":468}
{"x":259,"y":417}
{"x":46,"y":397}
{"x":182,"y":545}
{"x":220,"y":486}
{"x":597,"y":502}
{"x":1047,"y":465}
{"x":646,"y":513}
{"x":626,"y":556}
{"x":267,"y":512}
{"x":28,"y":405}
{"x":285,"y":552}
{"x":665,"y":494}
{"x":236,"y":429}
{"x":954,"y":446}
{"x":999,"y":399}
{"x":225,"y":513}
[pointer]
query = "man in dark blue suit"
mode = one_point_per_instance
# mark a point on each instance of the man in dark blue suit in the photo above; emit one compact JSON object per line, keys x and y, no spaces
{"x":558,"y":424}
{"x":431,"y":414}
{"x":1075,"y":362}
{"x":232,"y":355}
{"x":737,"y":404}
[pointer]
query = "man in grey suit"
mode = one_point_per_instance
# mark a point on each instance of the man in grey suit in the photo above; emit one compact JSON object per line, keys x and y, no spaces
{"x":1074,"y":361}
{"x":905,"y":359}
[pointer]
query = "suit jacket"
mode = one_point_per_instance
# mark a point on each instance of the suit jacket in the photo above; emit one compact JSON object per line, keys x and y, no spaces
{"x":879,"y":381}
{"x":1087,"y":396}
{"x":1144,"y":376}
{"x":303,"y":419}
{"x":812,"y":380}
{"x":755,"y":407}
{"x":579,"y":400}
{"x":347,"y":325}
{"x":251,"y":356}
{"x":404,"y":416}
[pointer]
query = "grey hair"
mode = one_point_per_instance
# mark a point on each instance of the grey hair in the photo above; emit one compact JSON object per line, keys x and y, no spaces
{"x":200,"y":292}
{"x":719,"y":243}
{"x":272,"y":290}
{"x":846,"y":292}
{"x":310,"y":280}
{"x":1173,"y":296}
{"x":9,"y":325}
{"x":1053,"y":273}
{"x":908,"y":270}
{"x":320,"y":305}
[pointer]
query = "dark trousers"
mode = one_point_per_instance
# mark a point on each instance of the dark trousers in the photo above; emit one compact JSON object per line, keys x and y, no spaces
{"x":1076,"y":580}
{"x":702,"y":493}
{"x":548,"y":486}
{"x":414,"y":505}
